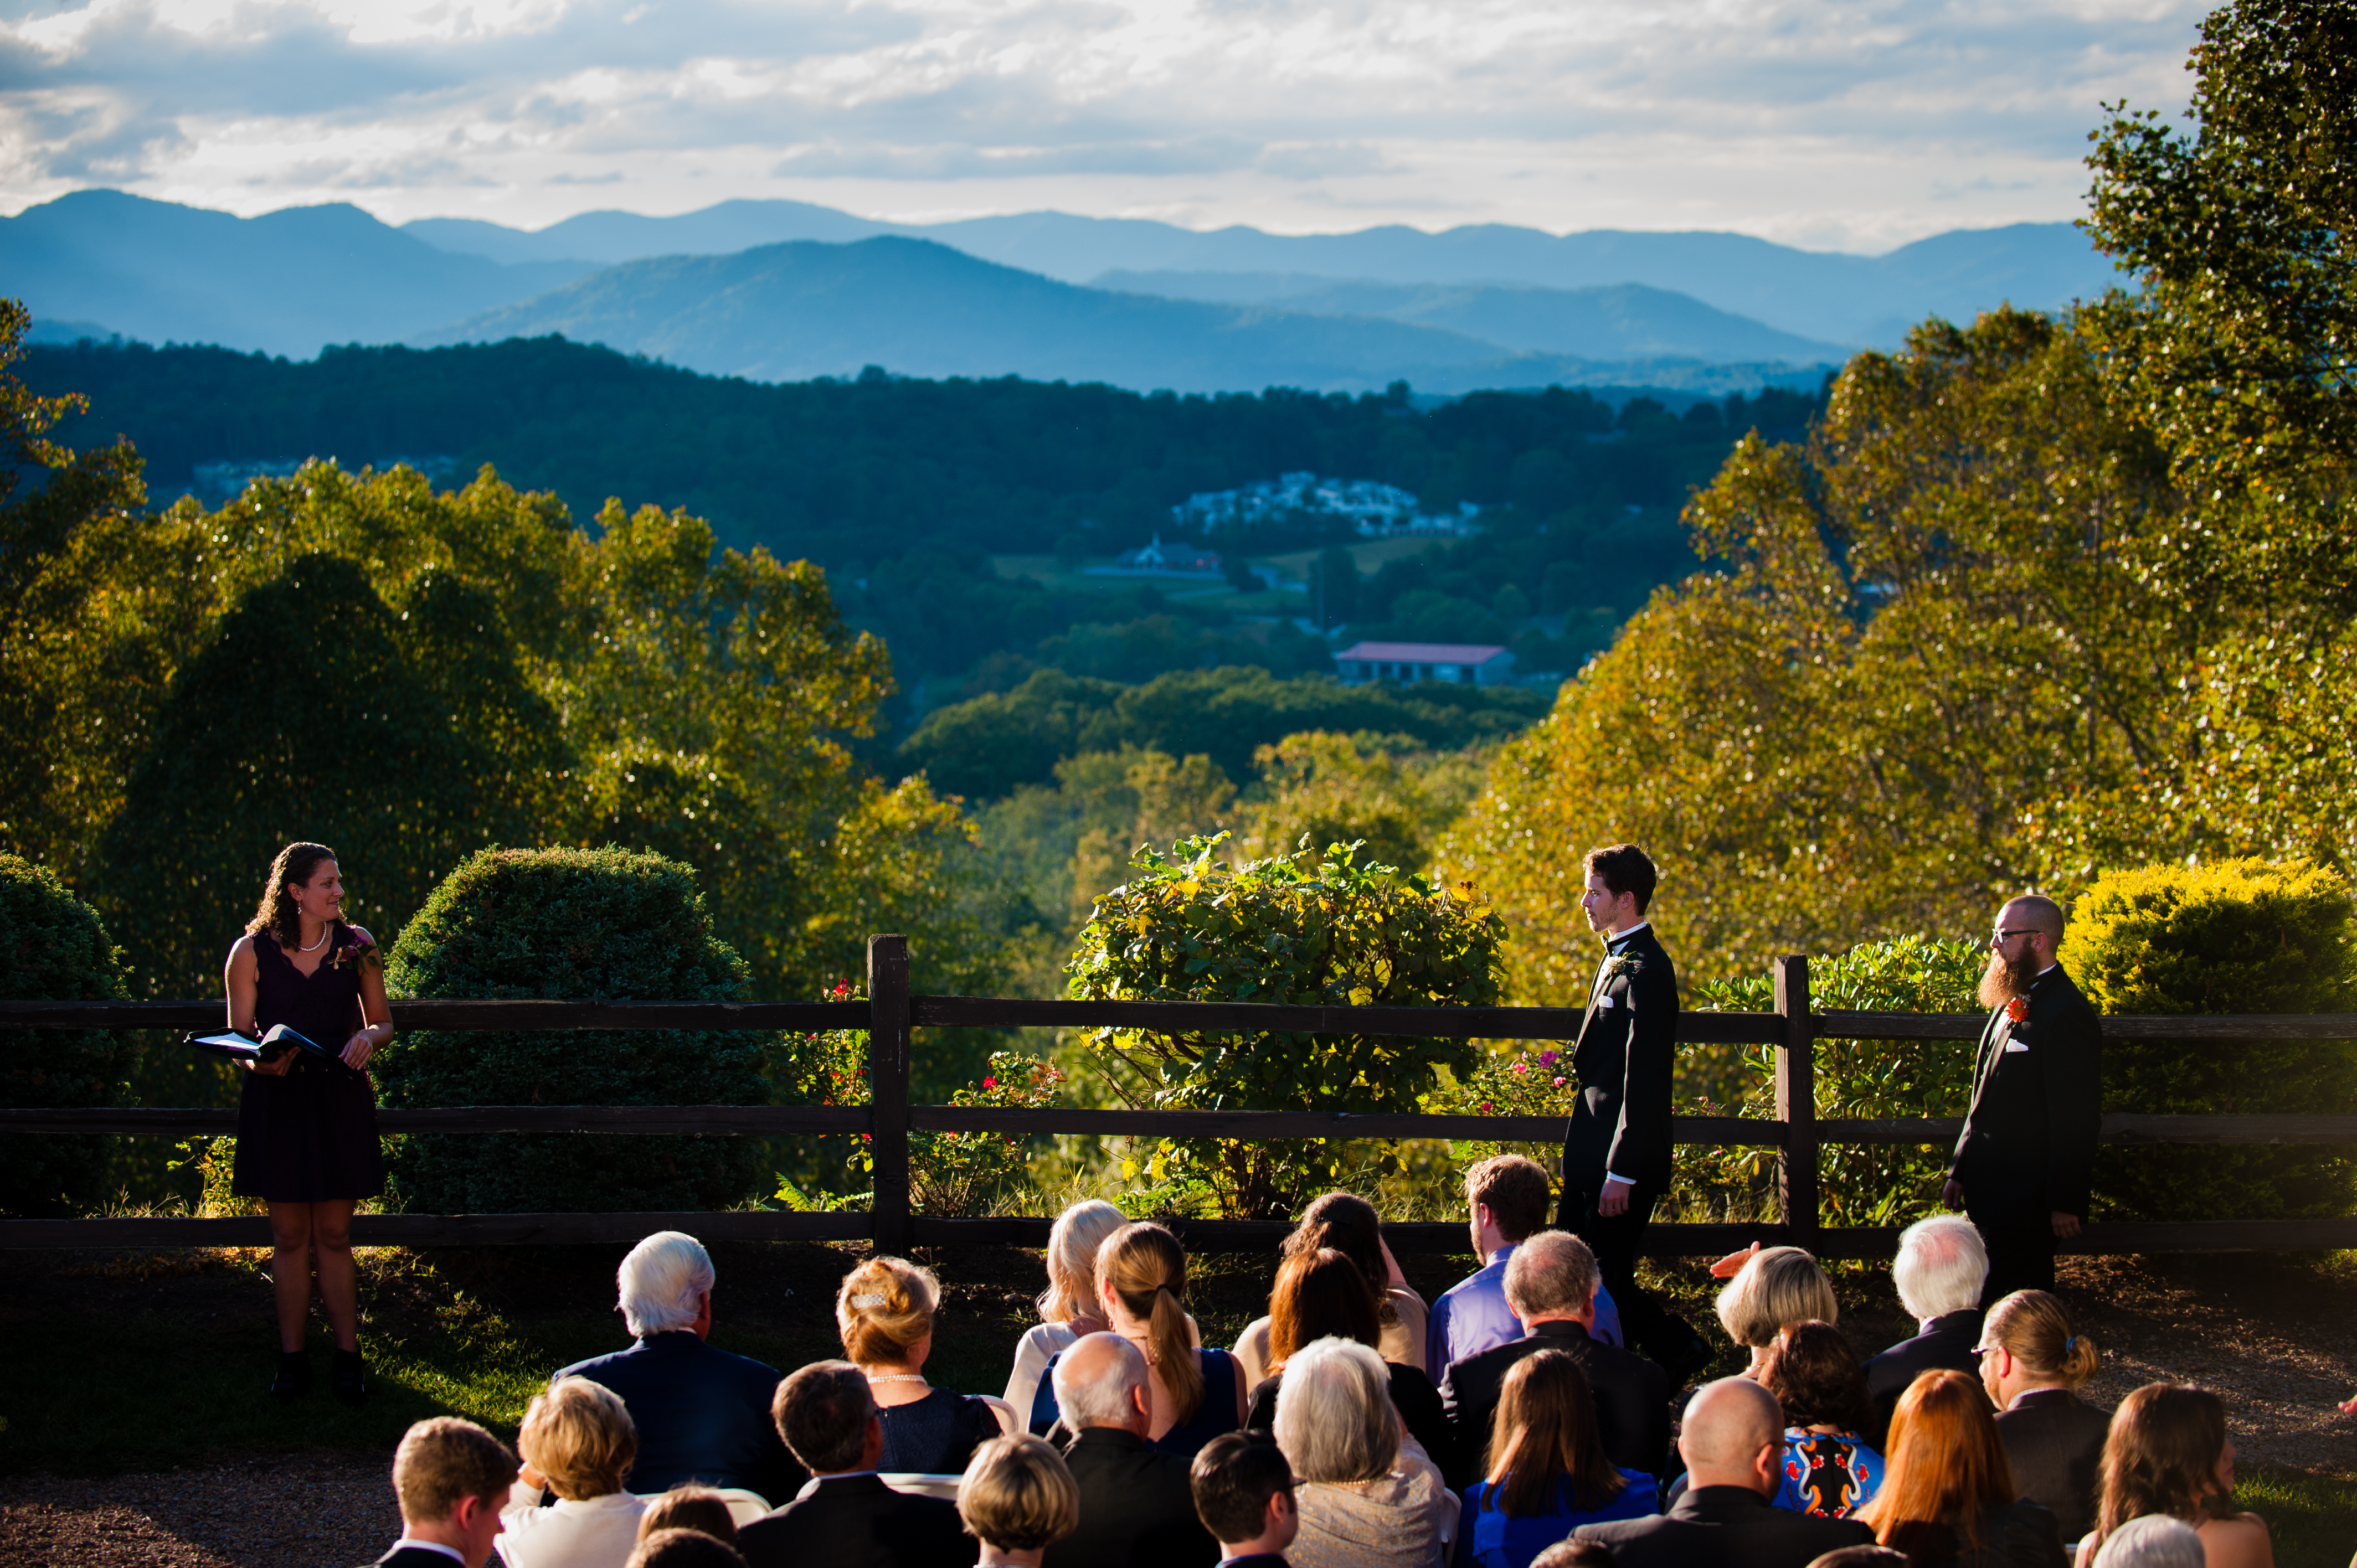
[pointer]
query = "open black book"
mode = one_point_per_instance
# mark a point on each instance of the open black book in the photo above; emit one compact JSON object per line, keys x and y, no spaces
{"x":239,"y":1046}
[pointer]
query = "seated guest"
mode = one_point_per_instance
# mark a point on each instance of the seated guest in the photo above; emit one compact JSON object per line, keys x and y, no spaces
{"x":1507,"y":1197}
{"x":884,"y":1312}
{"x":1775,"y":1286}
{"x":847,"y":1517}
{"x":451,"y":1478}
{"x":2169,"y":1454}
{"x":1947,"y":1496}
{"x":1244,"y":1494}
{"x":1733,"y":1444}
{"x":684,"y":1549}
{"x":1551,"y":1281}
{"x":1940,"y":1269}
{"x":578,"y":1442}
{"x":1577,"y":1554}
{"x":1135,"y":1504}
{"x":1141,"y":1295}
{"x":1017,"y":1498}
{"x":2030,"y":1362}
{"x":1348,"y":1224}
{"x":1323,"y":1295}
{"x":700,"y":1414}
{"x":690,"y":1508}
{"x":2155,"y":1540}
{"x":1546,"y":1470}
{"x":1362,"y":1502}
{"x":1068,"y":1307}
{"x":1829,"y":1467}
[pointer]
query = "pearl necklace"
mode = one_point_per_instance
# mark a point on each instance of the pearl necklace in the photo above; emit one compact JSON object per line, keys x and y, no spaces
{"x":896,"y":1376}
{"x":325,"y":932}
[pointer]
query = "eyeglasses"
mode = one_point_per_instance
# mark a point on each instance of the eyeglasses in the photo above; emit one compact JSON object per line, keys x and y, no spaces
{"x":1999,"y":937}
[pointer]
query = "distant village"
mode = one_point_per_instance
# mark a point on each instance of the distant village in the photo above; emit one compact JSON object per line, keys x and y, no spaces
{"x":1377,"y":510}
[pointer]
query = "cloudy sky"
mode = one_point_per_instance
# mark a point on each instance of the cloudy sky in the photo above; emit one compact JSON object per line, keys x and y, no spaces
{"x":1847,"y":125}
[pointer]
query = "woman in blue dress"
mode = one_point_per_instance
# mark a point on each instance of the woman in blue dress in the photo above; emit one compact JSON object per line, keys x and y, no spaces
{"x":1829,"y":1467}
{"x":306,"y":1141}
{"x":1142,"y":1289}
{"x":1547,"y":1474}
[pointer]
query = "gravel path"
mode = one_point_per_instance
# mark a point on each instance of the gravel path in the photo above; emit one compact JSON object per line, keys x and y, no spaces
{"x":321,"y":1511}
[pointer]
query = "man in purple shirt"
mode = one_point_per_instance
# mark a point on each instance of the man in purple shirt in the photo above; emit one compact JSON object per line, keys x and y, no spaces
{"x":1508,"y":1196}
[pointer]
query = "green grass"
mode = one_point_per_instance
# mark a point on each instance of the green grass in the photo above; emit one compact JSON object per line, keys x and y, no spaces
{"x":2312,"y":1518}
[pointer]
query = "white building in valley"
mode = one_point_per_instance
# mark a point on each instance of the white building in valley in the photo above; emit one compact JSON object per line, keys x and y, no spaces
{"x":1376,"y":509}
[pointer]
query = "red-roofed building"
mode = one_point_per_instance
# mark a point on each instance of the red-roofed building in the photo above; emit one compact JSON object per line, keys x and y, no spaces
{"x":1463,"y":663}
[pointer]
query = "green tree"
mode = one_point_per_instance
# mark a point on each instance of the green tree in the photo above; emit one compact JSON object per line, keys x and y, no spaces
{"x":571,"y":923}
{"x":2233,"y":936}
{"x":1384,"y":793}
{"x":1293,"y":929}
{"x":53,"y":949}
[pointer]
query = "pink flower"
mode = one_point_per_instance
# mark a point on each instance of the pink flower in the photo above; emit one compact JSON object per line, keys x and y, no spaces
{"x":1547,"y":1058}
{"x":1558,"y":1083}
{"x":1485,"y":1108}
{"x":1521,"y":1067}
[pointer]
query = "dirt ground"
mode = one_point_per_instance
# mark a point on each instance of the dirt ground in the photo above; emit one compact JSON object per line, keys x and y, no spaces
{"x":2272,"y":1335}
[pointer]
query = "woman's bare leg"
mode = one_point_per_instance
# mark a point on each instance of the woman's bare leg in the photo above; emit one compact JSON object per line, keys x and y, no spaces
{"x":290,"y":1269}
{"x":332,"y":1242}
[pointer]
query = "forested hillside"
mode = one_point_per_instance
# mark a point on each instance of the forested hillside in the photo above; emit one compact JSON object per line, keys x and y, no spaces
{"x":905,"y":489}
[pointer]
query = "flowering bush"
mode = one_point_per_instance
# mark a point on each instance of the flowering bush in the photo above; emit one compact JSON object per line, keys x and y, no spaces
{"x":956,"y":1175}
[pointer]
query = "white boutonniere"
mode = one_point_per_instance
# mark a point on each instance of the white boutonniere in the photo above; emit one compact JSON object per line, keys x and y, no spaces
{"x":1619,"y":964}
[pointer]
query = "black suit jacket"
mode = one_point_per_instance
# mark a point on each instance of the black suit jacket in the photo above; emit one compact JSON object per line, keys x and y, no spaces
{"x":1137,"y":1506}
{"x":858,"y":1521}
{"x":2037,"y":1102}
{"x":2054,"y":1442}
{"x":1623,"y":1060}
{"x":1946,"y":1346}
{"x":1632,"y":1400}
{"x":702,"y":1415}
{"x":1725,"y":1527}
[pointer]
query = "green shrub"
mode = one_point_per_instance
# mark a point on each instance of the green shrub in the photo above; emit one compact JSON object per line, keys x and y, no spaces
{"x":2239,"y":936}
{"x":1193,"y":927}
{"x":1869,"y":1184}
{"x":605,"y":923}
{"x":53,"y":949}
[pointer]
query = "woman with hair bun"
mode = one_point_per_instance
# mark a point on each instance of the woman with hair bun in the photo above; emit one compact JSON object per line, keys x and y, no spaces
{"x":2031,"y":1363}
{"x":306,"y":1141}
{"x":1198,"y":1393}
{"x":885,"y":1312}
{"x":2169,"y":1454}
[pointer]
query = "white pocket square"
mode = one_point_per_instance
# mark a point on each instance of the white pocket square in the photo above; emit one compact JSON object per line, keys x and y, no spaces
{"x":1607,"y":1002}
{"x":2013,"y":1046}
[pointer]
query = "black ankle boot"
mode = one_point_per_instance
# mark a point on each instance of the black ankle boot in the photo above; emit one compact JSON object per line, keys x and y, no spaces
{"x":293,"y":1378}
{"x":348,"y":1377}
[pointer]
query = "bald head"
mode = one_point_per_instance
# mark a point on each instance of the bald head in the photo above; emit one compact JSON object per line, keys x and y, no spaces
{"x":1733,"y":1435}
{"x":2032,"y":912}
{"x":1098,"y":1381}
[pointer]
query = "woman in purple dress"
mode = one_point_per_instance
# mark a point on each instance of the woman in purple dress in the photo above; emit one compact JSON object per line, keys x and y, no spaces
{"x":306,"y":1138}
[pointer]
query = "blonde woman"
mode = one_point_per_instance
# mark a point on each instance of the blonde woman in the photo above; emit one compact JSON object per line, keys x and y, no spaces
{"x":1198,"y":1393}
{"x":1018,"y":1500}
{"x":2032,"y":1364}
{"x":1772,"y":1289}
{"x":578,"y":1442}
{"x":1068,"y":1307}
{"x":884,"y":1313}
{"x":1360,"y":1501}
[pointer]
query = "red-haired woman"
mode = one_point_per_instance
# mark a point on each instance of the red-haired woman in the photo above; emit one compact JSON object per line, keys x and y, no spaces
{"x":1947,"y":1497}
{"x":306,"y":1141}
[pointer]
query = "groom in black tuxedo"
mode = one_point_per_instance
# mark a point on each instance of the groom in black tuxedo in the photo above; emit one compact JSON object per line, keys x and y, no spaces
{"x":2023,"y":1163}
{"x":1616,"y":1153}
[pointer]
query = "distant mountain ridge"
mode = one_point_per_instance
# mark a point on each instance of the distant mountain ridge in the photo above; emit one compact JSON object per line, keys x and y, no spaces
{"x":1824,"y":295}
{"x":807,"y":308}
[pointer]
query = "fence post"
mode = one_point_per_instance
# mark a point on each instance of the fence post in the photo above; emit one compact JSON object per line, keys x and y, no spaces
{"x":1796,"y":1102}
{"x":888,"y":1082}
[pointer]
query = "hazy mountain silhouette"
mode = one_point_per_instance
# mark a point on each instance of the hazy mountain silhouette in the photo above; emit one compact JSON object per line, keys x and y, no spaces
{"x":285,"y":282}
{"x":1818,"y":295}
{"x":803,"y":309}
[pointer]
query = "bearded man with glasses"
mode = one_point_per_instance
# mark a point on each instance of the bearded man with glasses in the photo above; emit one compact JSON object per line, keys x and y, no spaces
{"x":2023,"y":1161}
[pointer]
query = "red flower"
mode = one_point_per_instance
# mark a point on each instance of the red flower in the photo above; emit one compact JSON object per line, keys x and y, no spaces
{"x":2019,"y":1009}
{"x":990,"y":1083}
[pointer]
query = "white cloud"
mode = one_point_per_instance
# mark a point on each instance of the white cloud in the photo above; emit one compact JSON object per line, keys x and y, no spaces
{"x":1857,"y":123}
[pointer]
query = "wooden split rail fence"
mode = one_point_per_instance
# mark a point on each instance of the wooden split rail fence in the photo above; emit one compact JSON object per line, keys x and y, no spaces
{"x":890,"y":1014}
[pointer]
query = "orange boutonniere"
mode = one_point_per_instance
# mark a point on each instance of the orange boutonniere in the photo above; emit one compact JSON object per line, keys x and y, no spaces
{"x":2019,"y":1009}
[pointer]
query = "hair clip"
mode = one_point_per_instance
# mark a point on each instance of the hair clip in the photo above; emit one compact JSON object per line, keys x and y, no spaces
{"x":2070,"y":1345}
{"x":869,"y":1298}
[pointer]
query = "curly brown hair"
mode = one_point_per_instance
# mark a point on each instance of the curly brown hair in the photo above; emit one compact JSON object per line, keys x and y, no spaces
{"x":277,"y":913}
{"x":1815,"y":1374}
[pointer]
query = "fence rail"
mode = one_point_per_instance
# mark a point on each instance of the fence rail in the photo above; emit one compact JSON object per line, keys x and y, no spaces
{"x":891,"y":1014}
